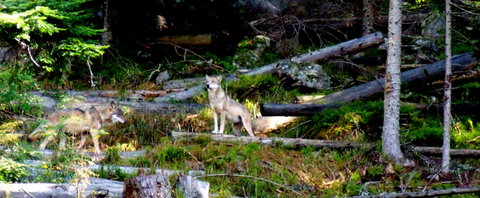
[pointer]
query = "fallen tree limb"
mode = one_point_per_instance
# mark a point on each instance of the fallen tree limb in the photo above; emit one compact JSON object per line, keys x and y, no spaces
{"x":340,"y":49}
{"x":300,"y":143}
{"x":427,"y":193}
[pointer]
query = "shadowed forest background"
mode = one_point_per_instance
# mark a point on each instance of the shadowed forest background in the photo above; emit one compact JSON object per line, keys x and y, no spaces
{"x":151,"y":57}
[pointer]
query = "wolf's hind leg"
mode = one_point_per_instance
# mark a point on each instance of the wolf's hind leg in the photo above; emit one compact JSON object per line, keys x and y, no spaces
{"x":247,"y":123}
{"x":45,"y":142}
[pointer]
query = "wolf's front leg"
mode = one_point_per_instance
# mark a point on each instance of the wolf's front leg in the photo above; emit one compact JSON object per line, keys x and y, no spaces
{"x":83,"y":139}
{"x":215,"y":121}
{"x":94,"y":133}
{"x":222,"y":122}
{"x":63,"y":143}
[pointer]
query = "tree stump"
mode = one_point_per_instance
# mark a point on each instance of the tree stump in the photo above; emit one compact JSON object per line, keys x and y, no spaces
{"x":148,"y":186}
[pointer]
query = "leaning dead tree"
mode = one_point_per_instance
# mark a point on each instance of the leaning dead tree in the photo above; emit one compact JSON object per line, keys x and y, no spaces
{"x":434,"y":70}
{"x":300,"y":143}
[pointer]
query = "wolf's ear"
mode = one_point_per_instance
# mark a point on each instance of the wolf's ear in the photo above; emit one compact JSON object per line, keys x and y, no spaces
{"x":113,"y":105}
{"x":207,"y":77}
{"x":219,"y":78}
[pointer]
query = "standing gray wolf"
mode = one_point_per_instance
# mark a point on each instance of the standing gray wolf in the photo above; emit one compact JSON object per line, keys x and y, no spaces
{"x":227,"y":108}
{"x":79,"y":122}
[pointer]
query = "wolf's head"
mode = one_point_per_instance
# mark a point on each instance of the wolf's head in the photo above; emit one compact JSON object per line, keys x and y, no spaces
{"x":213,"y":83}
{"x":113,"y":113}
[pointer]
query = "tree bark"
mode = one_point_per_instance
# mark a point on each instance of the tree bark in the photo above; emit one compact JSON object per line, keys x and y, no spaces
{"x":447,"y":116}
{"x":368,"y":17}
{"x":300,"y":143}
{"x":391,"y":125}
{"x":151,"y":186}
{"x":160,"y":185}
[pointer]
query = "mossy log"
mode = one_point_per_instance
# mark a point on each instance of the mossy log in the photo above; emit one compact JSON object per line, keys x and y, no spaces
{"x":300,"y":143}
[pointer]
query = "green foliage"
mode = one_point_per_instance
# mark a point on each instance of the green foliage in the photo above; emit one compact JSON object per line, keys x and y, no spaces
{"x":14,"y":84}
{"x":11,"y":171}
{"x":60,"y":33}
{"x":112,"y":155}
{"x":356,"y":121}
{"x":170,"y":154}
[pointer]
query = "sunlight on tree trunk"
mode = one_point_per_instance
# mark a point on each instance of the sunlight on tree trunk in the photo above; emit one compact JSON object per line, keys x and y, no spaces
{"x":447,"y":116}
{"x":391,"y":128}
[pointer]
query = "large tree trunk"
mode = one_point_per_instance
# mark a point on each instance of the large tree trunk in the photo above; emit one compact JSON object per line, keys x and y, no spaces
{"x":391,"y":125}
{"x":447,"y":116}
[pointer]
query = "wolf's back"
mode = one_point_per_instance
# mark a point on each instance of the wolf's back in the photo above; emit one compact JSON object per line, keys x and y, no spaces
{"x":54,"y":119}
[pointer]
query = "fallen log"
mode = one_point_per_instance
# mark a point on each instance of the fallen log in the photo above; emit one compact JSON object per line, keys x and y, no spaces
{"x":294,"y":109}
{"x":322,"y":54}
{"x":426,"y":193}
{"x":300,"y":143}
{"x":459,"y":62}
{"x":96,"y":188}
{"x":267,"y":124}
{"x":311,"y":109}
{"x":49,"y":105}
